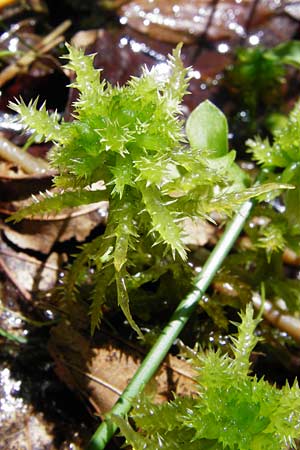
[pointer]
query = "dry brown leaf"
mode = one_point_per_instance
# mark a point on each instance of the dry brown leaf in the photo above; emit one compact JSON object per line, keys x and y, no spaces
{"x":15,"y":185}
{"x":102,"y":373}
{"x":197,"y":232}
{"x":179,"y":20}
{"x":28,"y":273}
{"x":41,"y":235}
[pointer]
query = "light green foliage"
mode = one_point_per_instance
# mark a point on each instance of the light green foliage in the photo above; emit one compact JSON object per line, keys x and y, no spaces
{"x":50,"y":202}
{"x":258,"y":74}
{"x":207,"y":129}
{"x":133,"y":138}
{"x":255,"y":80}
{"x":284,"y":154}
{"x":271,"y":229}
{"x":232,"y":411}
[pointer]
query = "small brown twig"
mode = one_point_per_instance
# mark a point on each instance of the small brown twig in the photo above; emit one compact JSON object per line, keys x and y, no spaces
{"x":30,"y":164}
{"x":47,"y":43}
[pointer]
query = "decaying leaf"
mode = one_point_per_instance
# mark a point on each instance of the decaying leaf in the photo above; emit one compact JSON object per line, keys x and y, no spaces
{"x":27,"y":272}
{"x":16,"y":185}
{"x":101,"y":373}
{"x":197,"y":232}
{"x":42,"y":235}
{"x":179,"y":20}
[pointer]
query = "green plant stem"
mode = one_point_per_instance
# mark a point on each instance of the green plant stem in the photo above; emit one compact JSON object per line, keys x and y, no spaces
{"x":178,"y":320}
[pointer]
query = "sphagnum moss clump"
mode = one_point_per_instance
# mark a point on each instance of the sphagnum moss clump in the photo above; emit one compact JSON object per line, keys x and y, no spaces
{"x":156,"y":172}
{"x":232,"y":409}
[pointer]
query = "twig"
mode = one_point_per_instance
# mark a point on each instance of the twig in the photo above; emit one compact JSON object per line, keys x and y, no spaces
{"x":27,"y":162}
{"x":283,"y":321}
{"x":178,"y":320}
{"x":50,"y":41}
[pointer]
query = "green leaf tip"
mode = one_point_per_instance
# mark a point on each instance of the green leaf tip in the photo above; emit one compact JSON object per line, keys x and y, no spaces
{"x":207,"y":129}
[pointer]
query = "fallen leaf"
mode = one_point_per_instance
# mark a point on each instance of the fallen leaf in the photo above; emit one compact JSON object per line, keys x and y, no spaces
{"x":179,"y":20}
{"x":197,"y":232}
{"x":28,"y":273}
{"x":41,"y":235}
{"x":15,"y":185}
{"x":101,"y":373}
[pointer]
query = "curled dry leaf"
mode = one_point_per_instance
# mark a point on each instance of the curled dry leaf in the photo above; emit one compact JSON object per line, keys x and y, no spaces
{"x":101,"y":373}
{"x":42,"y":235}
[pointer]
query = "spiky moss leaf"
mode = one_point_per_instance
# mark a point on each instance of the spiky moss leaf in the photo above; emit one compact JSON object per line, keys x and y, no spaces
{"x":164,"y":417}
{"x":87,"y":80}
{"x":158,"y":171}
{"x":123,"y":175}
{"x":244,"y":343}
{"x":207,"y":130}
{"x":236,"y":409}
{"x":114,"y":137}
{"x":233,"y":411}
{"x":82,"y":157}
{"x":124,"y":229}
{"x":177,"y":439}
{"x":102,"y":280}
{"x":123,"y":300}
{"x":288,"y":138}
{"x":170,"y":80}
{"x":285,"y":421}
{"x":163,"y":220}
{"x":286,"y":147}
{"x":272,"y":238}
{"x":233,"y":199}
{"x":49,"y":202}
{"x":265,"y":154}
{"x":45,"y":126}
{"x":204,"y":199}
{"x":177,"y":82}
{"x":79,"y":270}
{"x":205,"y":178}
{"x":136,"y":440}
{"x":117,"y":128}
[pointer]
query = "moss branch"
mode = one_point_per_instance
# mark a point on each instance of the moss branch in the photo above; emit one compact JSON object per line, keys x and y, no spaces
{"x":177,"y":322}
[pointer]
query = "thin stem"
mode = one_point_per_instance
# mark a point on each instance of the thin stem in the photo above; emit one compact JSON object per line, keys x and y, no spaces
{"x":178,"y":320}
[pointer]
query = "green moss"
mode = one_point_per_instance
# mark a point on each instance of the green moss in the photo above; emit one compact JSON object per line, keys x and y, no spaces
{"x":232,"y":410}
